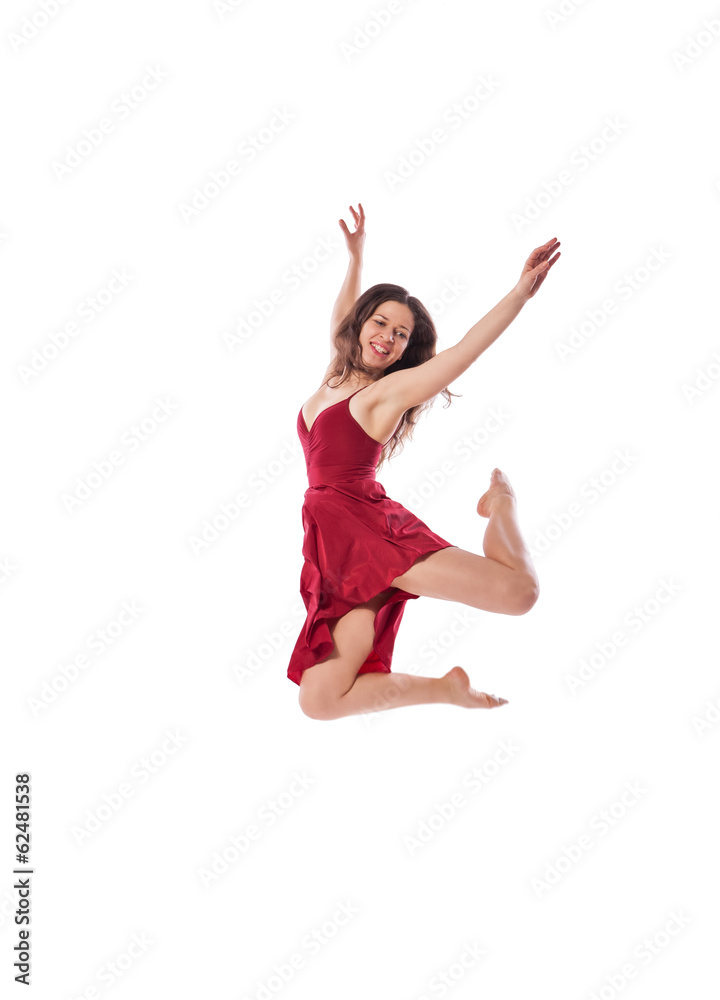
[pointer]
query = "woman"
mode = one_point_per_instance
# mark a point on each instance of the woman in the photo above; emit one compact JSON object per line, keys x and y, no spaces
{"x":365,"y":554}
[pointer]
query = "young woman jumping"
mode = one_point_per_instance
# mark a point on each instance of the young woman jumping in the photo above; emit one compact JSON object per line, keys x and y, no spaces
{"x":365,"y":555}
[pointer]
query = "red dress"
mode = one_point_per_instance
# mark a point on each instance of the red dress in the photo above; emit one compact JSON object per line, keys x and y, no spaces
{"x":356,"y":539}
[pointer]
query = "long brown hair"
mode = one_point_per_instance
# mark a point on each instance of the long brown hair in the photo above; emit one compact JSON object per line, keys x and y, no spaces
{"x":421,"y":347}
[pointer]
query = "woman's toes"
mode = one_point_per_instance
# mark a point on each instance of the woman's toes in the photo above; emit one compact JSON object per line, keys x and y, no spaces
{"x":499,"y":486}
{"x":461,"y":692}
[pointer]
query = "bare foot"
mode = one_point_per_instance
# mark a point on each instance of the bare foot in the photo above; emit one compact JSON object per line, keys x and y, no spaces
{"x":499,"y":486}
{"x":460,"y":693}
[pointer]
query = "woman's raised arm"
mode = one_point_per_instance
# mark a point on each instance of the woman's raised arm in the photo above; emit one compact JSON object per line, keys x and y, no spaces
{"x":413,"y":386}
{"x":350,"y":291}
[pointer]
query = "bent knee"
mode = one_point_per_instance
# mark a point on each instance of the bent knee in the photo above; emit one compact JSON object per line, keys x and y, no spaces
{"x":524,"y":595}
{"x":316,"y":706}
{"x":521,"y":595}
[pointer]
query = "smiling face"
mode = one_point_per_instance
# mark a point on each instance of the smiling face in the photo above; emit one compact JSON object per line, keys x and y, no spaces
{"x":388,"y":329}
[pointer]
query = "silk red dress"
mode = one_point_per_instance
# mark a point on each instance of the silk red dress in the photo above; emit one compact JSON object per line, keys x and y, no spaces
{"x":357,"y":540}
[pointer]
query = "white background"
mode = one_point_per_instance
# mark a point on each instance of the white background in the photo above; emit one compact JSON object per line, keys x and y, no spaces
{"x":205,"y":655}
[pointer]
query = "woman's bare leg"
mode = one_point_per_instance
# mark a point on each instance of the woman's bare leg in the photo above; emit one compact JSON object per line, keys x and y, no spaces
{"x":503,"y":580}
{"x":376,"y":692}
{"x":333,"y":689}
{"x":503,"y":540}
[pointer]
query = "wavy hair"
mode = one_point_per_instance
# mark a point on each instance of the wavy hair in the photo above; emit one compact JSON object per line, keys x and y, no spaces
{"x":421,"y":347}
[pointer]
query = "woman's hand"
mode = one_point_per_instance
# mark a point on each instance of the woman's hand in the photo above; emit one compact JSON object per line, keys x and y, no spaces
{"x":355,"y":241}
{"x":536,"y":268}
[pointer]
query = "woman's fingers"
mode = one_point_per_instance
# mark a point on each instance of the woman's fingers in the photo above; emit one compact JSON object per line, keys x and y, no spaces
{"x":358,"y":216}
{"x":537,"y":266}
{"x":359,"y":219}
{"x":358,"y":222}
{"x":546,"y":263}
{"x":541,"y":257}
{"x":546,"y":249}
{"x":552,"y":260}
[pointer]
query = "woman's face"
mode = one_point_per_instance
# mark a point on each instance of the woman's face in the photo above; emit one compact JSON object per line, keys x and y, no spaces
{"x":388,"y":329}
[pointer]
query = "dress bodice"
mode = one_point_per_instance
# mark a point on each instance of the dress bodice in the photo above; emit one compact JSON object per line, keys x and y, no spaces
{"x":337,"y":449}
